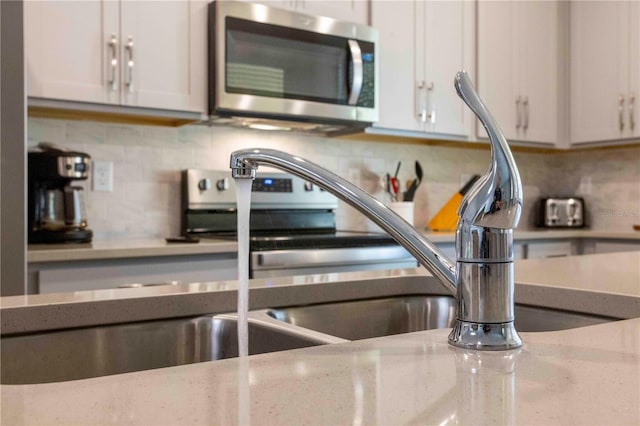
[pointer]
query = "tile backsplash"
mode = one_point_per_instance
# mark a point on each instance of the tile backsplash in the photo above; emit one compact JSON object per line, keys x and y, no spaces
{"x":145,"y":202}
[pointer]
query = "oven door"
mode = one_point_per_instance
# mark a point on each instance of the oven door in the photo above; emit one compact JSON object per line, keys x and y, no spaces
{"x":278,"y":263}
{"x":273,"y":63}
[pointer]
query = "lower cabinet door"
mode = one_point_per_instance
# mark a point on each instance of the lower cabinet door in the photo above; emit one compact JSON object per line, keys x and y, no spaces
{"x":56,"y":277}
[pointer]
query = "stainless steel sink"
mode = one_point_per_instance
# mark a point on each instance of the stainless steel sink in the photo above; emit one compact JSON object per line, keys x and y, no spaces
{"x":99,"y":351}
{"x":104,"y":350}
{"x":364,"y":319}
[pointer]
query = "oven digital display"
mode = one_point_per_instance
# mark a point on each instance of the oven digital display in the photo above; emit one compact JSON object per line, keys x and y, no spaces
{"x":272,"y":185}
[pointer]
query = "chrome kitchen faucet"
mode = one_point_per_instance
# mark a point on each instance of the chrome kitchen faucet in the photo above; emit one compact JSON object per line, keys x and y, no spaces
{"x":482,"y":278}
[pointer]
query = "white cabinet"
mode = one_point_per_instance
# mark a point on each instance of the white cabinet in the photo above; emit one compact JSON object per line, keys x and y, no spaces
{"x":356,"y":11}
{"x":542,"y":249}
{"x":142,"y":54}
{"x":603,"y":245}
{"x":519,"y":67}
{"x":422,"y":46}
{"x":605,"y":74}
{"x":78,"y":275}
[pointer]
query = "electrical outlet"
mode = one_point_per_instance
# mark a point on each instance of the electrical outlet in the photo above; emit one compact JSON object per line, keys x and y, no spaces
{"x":103,"y":176}
{"x":584,"y":187}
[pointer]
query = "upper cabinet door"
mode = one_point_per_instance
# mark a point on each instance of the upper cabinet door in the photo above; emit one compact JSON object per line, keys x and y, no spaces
{"x":445,"y":53}
{"x":163,"y":53}
{"x":418,"y":61}
{"x":518,"y":68}
{"x":604,"y":70}
{"x":72,"y":50}
{"x":497,"y":76}
{"x":399,"y":81}
{"x":135,"y":53}
{"x":537,"y":56}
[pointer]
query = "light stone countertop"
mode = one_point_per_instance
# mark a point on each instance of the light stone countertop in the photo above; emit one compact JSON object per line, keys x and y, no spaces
{"x":601,"y":284}
{"x":114,"y":249}
{"x":587,"y":375}
{"x":582,"y":376}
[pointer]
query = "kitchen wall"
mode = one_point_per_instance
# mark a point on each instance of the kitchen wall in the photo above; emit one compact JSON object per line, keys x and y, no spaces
{"x":147,"y":161}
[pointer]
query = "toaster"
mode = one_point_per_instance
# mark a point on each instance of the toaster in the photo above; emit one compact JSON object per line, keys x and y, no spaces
{"x":560,"y":213}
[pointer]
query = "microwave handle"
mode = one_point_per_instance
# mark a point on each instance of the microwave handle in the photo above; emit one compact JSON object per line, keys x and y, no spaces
{"x":358,"y":72}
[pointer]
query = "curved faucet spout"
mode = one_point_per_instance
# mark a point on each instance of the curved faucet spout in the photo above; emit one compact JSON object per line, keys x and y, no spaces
{"x":483,"y":276}
{"x":245,"y":162}
{"x":495,"y":201}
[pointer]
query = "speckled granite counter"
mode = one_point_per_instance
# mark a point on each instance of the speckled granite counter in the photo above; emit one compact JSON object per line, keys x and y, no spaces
{"x":582,"y":376}
{"x":111,"y":249}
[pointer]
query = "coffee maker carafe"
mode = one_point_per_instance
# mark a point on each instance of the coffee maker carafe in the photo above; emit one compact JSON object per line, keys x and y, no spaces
{"x":56,"y":206}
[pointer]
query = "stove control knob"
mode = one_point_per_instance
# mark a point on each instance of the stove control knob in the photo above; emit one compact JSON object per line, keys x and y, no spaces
{"x":222,"y":184}
{"x":204,"y":184}
{"x":308,"y":186}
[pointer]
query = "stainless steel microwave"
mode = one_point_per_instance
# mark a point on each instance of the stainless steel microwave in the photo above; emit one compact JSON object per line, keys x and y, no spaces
{"x":315,"y":73}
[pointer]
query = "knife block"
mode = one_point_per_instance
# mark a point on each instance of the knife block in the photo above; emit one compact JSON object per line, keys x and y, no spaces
{"x":447,"y":218}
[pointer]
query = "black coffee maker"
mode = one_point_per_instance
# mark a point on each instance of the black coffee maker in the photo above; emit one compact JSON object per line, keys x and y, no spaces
{"x":56,"y":206}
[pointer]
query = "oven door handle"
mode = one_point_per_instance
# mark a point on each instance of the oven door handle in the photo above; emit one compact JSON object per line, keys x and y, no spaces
{"x":285,"y":259}
{"x":358,"y":72}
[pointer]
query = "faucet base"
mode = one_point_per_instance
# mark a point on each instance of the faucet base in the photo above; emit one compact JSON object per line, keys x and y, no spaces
{"x":485,"y":337}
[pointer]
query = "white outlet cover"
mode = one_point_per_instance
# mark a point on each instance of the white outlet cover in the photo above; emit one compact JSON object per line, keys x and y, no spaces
{"x":102,"y":176}
{"x":585,"y":185}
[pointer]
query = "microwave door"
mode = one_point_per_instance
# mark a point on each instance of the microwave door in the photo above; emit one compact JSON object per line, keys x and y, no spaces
{"x":358,"y":72}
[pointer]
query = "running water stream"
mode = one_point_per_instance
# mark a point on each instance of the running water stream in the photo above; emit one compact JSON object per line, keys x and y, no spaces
{"x":243,"y":200}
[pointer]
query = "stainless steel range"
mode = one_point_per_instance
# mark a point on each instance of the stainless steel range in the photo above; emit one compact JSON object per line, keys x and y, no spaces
{"x":292,"y":226}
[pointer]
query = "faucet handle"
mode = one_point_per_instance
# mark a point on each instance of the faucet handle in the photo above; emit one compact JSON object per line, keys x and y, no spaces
{"x":495,"y":201}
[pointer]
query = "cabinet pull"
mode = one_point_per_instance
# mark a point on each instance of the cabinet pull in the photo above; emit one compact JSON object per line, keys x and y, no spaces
{"x":518,"y":119}
{"x":632,"y":119}
{"x":621,"y":112}
{"x":432,"y":114}
{"x":421,"y":107}
{"x":525,"y":108}
{"x":113,"y":62}
{"x":129,"y":50}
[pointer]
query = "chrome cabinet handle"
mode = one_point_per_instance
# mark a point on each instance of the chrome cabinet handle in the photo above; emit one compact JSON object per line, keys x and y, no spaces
{"x":113,"y":63}
{"x":129,"y":50}
{"x":525,"y":108}
{"x":632,"y":119}
{"x":518,"y":119}
{"x":358,"y":72}
{"x":430,"y":101}
{"x":421,"y":102}
{"x":621,"y":112}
